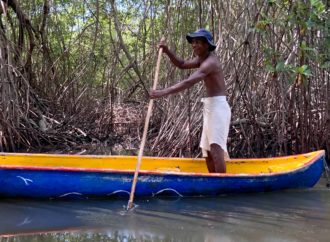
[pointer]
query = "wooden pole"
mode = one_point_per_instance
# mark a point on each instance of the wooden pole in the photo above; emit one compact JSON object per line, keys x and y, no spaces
{"x":144,"y":136}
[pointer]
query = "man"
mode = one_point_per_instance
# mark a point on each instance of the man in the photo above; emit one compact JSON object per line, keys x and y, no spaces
{"x":216,"y":113}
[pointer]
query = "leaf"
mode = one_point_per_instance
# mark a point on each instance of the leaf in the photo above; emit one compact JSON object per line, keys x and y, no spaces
{"x":270,"y":68}
{"x":304,"y":70}
{"x":318,"y":6}
{"x":271,"y":2}
{"x":280,"y":66}
{"x":325,"y":65}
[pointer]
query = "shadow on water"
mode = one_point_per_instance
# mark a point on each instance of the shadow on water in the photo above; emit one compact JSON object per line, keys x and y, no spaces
{"x":302,"y":215}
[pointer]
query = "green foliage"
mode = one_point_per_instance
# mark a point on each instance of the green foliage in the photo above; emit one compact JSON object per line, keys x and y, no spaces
{"x":303,"y":70}
{"x":300,"y":22}
{"x":318,"y":7}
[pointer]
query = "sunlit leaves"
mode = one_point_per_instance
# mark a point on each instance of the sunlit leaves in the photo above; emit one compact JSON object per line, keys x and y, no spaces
{"x":305,"y":30}
{"x":318,"y":6}
{"x":304,"y":70}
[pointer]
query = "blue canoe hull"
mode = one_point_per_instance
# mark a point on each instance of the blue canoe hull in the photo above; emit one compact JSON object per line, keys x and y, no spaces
{"x":71,"y":184}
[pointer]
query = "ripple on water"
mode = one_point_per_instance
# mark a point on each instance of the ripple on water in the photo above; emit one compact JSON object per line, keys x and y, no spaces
{"x":302,"y":215}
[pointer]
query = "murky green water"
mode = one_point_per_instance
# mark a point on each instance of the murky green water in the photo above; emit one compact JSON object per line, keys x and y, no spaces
{"x":302,"y":215}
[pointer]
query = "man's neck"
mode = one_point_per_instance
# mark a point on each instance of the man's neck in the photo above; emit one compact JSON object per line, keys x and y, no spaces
{"x":204,"y":56}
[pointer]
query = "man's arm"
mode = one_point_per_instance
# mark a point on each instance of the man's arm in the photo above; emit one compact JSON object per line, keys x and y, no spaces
{"x":197,"y":76}
{"x":178,"y":62}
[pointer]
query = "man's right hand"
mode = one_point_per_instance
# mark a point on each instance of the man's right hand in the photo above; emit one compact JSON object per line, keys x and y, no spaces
{"x":162,"y":44}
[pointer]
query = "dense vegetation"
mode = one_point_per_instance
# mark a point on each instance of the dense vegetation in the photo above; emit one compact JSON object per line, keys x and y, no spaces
{"x":75,"y":75}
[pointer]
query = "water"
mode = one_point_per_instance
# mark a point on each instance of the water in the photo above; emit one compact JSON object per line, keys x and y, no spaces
{"x":296,"y":215}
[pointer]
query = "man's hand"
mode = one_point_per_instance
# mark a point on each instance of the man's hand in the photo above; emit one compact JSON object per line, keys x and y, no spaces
{"x":162,"y":44}
{"x":157,"y":94}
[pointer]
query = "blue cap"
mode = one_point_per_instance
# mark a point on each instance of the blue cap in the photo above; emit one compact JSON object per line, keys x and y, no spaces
{"x":202,"y":33}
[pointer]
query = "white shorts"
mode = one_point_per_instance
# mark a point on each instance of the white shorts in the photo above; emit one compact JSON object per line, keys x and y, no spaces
{"x":216,"y":121}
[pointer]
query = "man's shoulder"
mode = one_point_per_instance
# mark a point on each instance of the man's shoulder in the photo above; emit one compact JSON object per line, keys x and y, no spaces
{"x":212,"y":60}
{"x":215,"y":58}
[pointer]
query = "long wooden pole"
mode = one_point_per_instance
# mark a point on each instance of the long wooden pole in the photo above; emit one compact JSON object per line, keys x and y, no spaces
{"x":144,"y":136}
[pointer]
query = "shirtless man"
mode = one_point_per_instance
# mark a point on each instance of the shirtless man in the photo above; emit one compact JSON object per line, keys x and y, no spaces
{"x":216,"y":113}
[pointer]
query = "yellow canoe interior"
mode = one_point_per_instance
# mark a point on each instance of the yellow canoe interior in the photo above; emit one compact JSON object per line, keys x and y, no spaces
{"x":234,"y":166}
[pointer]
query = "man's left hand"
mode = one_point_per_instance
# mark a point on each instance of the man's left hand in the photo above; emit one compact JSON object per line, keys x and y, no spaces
{"x":156,"y":94}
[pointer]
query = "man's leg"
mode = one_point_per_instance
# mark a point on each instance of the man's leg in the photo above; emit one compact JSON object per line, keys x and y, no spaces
{"x":210,"y":163}
{"x":217,"y":158}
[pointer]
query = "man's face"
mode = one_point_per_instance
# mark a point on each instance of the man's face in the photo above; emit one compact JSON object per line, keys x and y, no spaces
{"x":200,"y":46}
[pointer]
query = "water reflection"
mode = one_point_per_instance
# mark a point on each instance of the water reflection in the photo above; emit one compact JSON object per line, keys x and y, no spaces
{"x":302,"y":215}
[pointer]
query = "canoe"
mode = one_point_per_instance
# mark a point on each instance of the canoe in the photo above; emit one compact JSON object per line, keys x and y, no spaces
{"x":46,"y":176}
